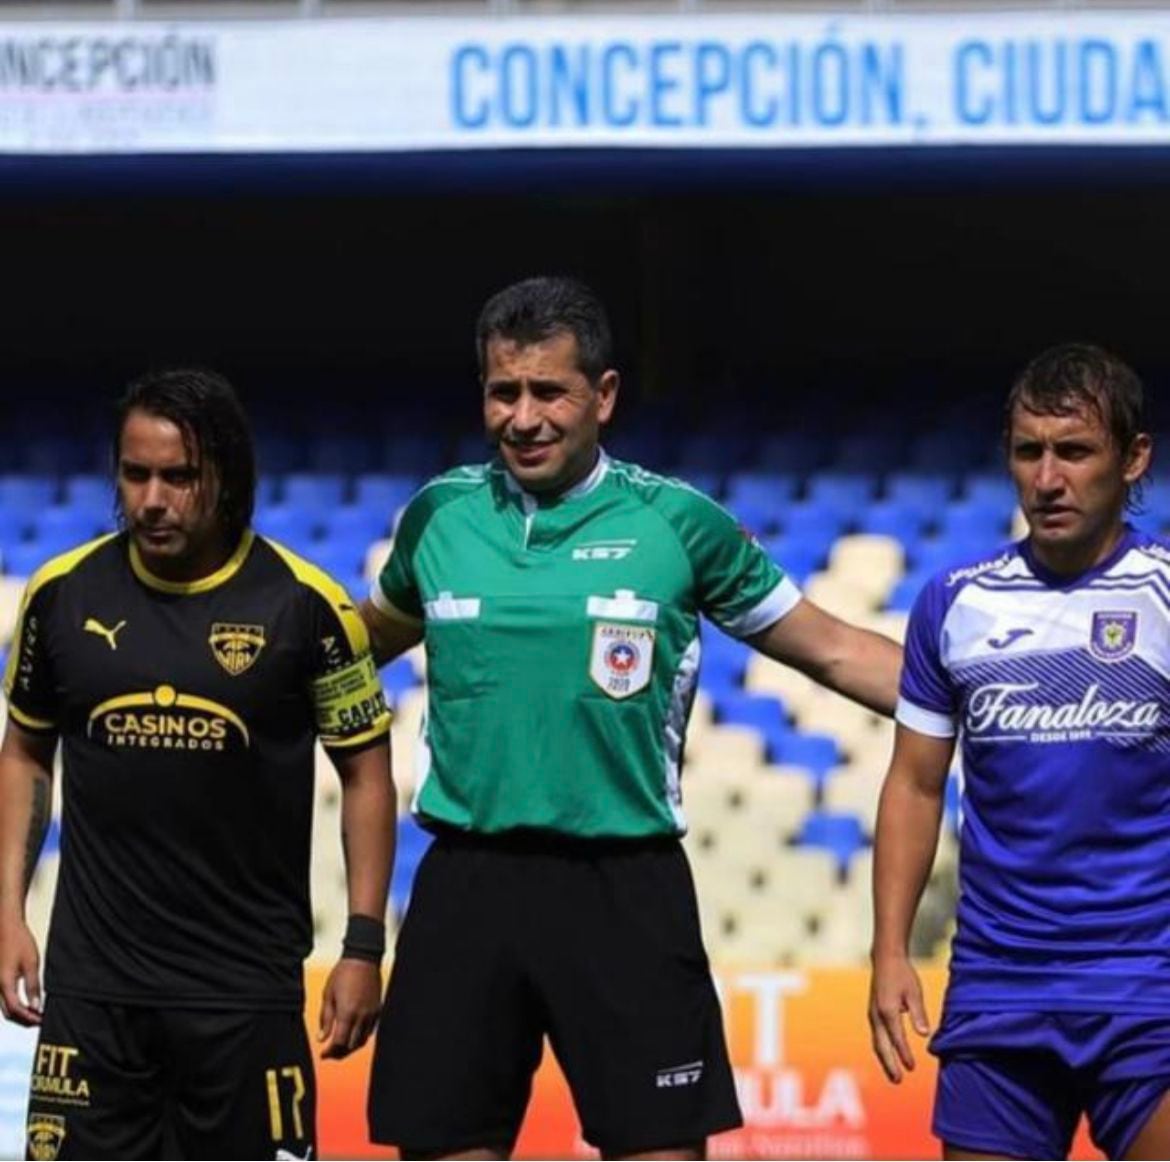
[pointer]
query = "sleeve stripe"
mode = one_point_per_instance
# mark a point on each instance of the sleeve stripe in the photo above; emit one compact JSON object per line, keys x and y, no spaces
{"x":783,"y":599}
{"x":923,"y":721}
{"x":383,"y":604}
{"x":28,"y":721}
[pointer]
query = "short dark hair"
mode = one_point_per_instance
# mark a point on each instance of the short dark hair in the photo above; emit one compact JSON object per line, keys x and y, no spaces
{"x":538,"y":309}
{"x":204,"y":407}
{"x":1072,"y":377}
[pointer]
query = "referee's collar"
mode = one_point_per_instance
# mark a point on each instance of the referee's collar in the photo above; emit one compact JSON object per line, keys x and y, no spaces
{"x":581,"y":488}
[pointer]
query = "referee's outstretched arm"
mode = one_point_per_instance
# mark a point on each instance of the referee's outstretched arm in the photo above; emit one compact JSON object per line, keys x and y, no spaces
{"x":857,"y":663}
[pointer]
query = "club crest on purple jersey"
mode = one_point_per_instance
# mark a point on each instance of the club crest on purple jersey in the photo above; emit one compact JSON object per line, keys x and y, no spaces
{"x":1113,"y":635}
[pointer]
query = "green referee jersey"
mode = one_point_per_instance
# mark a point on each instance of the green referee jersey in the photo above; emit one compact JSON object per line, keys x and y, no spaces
{"x":562,"y":640}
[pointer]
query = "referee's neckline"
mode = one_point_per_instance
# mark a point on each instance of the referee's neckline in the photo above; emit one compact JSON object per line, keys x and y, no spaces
{"x":224,"y":573}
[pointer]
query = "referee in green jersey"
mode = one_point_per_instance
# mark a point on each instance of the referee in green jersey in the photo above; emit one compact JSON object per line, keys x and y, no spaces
{"x":186,"y":665}
{"x":558,"y":593}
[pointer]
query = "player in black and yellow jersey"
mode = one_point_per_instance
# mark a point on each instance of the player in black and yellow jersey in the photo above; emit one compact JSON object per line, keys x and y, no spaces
{"x":186,"y":665}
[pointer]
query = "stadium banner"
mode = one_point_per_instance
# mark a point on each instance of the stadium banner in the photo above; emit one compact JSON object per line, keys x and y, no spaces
{"x":807,"y":1080}
{"x":758,"y":80}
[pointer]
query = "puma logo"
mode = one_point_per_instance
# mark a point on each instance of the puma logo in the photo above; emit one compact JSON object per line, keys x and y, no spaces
{"x":92,"y":625}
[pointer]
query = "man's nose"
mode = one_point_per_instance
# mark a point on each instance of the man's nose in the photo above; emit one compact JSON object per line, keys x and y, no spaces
{"x":526,"y":415}
{"x":154,"y":494}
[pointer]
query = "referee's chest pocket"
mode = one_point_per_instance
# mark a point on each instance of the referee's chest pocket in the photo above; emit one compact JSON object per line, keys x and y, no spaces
{"x":456,"y":651}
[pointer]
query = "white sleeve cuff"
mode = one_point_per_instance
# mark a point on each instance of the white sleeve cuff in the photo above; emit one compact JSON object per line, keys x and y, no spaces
{"x":783,"y":599}
{"x":928,"y":722}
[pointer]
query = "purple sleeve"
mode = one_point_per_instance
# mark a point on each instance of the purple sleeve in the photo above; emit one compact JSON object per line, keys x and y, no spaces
{"x":927,"y":701}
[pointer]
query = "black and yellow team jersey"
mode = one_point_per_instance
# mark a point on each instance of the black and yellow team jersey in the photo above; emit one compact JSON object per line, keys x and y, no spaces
{"x":187,"y":714}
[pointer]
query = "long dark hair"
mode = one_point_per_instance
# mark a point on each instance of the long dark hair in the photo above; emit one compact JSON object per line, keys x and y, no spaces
{"x":215,"y":429}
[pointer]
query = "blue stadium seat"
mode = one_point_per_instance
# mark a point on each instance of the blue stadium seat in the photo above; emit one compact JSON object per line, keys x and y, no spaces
{"x":761,"y":712}
{"x":799,"y":555}
{"x":951,"y":550}
{"x":762,"y":488}
{"x":952,"y":802}
{"x":315,"y":491}
{"x":15,"y":523}
{"x":759,"y":519}
{"x":817,"y":523}
{"x":724,"y":659}
{"x":975,"y":521}
{"x":797,"y":452}
{"x":871,"y":452}
{"x":472,"y":448}
{"x":58,"y":455}
{"x":25,"y":558}
{"x":708,"y":483}
{"x":417,"y":455}
{"x":397,"y":677}
{"x":948,"y":450}
{"x":357,"y":522}
{"x":412,"y":845}
{"x":66,"y":525}
{"x":846,"y":493}
{"x":712,"y":452}
{"x":387,"y":492}
{"x":343,"y":558}
{"x":893,"y":518}
{"x":267,"y":490}
{"x":341,"y":454}
{"x":992,"y":489}
{"x":928,"y":493}
{"x":89,"y":490}
{"x":27,"y":492}
{"x":1155,"y":514}
{"x":818,"y":754}
{"x":647,"y":447}
{"x":839,"y":832}
{"x":905,"y":593}
{"x":277,"y":454}
{"x":289,"y":524}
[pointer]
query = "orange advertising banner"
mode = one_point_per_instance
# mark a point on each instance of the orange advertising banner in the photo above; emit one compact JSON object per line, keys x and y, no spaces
{"x":808,"y":1083}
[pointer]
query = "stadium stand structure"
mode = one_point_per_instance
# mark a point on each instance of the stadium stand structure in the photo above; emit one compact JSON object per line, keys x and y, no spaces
{"x":781,"y":778}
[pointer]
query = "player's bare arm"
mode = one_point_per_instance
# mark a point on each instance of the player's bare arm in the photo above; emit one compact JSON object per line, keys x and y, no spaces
{"x":390,"y":636}
{"x":909,"y":814}
{"x":369,"y":812}
{"x":863,"y":666}
{"x":26,"y":784}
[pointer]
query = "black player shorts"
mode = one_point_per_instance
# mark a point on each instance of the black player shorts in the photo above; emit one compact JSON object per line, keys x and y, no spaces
{"x":594,"y":943}
{"x":129,"y":1081}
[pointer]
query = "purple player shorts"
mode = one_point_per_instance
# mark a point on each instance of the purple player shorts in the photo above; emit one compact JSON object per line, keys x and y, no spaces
{"x":1016,"y":1083}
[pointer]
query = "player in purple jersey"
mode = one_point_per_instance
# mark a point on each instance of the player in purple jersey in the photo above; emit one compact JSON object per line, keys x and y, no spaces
{"x":1048,"y":660}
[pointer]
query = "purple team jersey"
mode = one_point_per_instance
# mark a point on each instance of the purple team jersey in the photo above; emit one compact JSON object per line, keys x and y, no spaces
{"x":1059,"y":693}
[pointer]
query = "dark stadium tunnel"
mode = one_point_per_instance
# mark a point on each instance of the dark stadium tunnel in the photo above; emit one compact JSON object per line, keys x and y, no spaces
{"x":885,"y":287}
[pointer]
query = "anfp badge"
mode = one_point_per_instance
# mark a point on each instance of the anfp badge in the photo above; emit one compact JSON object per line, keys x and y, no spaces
{"x":46,"y":1132}
{"x":236,"y":647}
{"x":1113,"y":635}
{"x":622,"y":658}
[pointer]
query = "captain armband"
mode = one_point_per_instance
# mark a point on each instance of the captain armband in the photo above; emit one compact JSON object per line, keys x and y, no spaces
{"x":349,"y":702}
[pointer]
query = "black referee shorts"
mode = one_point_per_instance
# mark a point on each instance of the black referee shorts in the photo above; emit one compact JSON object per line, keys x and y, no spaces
{"x":129,"y":1081}
{"x":594,"y":943}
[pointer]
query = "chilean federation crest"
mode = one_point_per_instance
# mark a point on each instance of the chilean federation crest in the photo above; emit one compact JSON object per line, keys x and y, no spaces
{"x":46,"y":1133}
{"x":622,"y":658}
{"x":235,"y":646}
{"x":1113,"y":636}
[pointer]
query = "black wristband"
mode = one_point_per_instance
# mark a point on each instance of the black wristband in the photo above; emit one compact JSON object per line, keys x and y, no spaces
{"x":365,"y":939}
